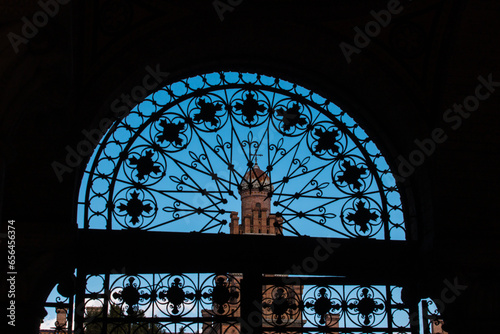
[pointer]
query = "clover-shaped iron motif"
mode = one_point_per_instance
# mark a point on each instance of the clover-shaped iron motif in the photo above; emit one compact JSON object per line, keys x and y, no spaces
{"x":131,"y":296}
{"x":282,"y":305}
{"x":176,"y":296}
{"x":322,"y":306}
{"x":366,"y":306}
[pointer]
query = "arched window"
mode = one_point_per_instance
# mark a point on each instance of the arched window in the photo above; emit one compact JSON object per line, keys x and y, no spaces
{"x":177,"y":161}
{"x":259,"y":210}
{"x":171,"y":175}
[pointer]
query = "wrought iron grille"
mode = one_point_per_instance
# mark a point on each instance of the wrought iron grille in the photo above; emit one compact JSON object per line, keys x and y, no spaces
{"x":431,"y":317}
{"x":176,"y":162}
{"x":212,"y":304}
{"x":344,"y":308}
{"x":59,"y":305}
{"x":160,"y":303}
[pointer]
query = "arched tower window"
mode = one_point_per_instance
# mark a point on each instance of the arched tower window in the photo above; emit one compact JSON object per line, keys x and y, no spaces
{"x":259,"y":209}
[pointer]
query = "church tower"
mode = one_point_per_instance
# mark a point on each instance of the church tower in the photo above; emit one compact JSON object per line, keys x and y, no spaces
{"x":255,"y":191}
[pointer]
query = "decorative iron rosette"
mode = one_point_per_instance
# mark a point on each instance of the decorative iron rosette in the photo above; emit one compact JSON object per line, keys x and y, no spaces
{"x":365,"y":306}
{"x":220,"y":295}
{"x":323,"y":306}
{"x":281,"y":306}
{"x":176,"y":161}
{"x":131,"y":296}
{"x":176,"y":295}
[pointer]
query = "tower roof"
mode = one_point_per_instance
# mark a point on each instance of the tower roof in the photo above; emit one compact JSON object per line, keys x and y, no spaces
{"x":256,"y":179}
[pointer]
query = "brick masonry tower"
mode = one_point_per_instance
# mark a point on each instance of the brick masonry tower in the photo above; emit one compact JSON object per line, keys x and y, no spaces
{"x":256,"y":218}
{"x":255,"y":190}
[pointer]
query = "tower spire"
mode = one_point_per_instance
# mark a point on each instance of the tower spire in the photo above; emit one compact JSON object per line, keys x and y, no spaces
{"x":255,"y":155}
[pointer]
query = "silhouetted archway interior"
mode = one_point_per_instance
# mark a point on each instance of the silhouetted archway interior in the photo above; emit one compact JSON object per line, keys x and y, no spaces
{"x":225,"y":197}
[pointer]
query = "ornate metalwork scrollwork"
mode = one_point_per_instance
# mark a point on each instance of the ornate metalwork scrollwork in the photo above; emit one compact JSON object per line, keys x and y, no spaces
{"x":183,"y":151}
{"x":130,"y":295}
{"x":281,"y":306}
{"x":366,"y":306}
{"x":323,"y":306}
{"x":371,"y":309}
{"x":210,"y":304}
{"x":175,"y":295}
{"x":224,"y":295}
{"x":162,"y":303}
{"x":336,"y":306}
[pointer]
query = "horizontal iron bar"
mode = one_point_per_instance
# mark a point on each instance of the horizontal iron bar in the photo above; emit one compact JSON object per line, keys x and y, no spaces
{"x":387,"y":262}
{"x":55,"y":304}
